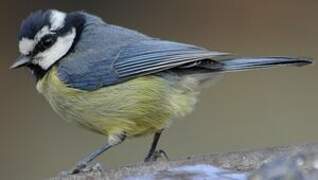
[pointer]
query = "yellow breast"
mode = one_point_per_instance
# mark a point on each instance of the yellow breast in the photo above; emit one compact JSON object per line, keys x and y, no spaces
{"x":136,"y":107}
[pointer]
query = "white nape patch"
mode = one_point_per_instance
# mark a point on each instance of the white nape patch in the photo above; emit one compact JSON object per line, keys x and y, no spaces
{"x":57,"y":19}
{"x":48,"y":57}
{"x":26,"y":46}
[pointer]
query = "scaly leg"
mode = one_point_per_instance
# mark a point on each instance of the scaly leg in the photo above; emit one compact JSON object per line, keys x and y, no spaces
{"x":154,"y":154}
{"x":84,"y":162}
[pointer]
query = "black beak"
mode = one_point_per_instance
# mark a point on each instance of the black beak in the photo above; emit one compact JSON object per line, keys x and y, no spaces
{"x":20,"y":62}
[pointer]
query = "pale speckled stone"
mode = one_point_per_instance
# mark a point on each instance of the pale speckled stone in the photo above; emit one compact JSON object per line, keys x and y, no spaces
{"x":289,"y":162}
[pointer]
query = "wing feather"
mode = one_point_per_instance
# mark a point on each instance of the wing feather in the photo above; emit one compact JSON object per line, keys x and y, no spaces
{"x":153,"y":56}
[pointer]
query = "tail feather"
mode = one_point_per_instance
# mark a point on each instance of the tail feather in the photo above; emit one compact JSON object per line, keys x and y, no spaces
{"x":242,"y":63}
{"x":263,"y":62}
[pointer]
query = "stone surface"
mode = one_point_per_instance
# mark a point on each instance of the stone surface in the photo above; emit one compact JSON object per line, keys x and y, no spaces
{"x":289,"y":162}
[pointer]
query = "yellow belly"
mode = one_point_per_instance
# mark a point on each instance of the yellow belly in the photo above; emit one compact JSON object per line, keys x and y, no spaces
{"x":136,"y":107}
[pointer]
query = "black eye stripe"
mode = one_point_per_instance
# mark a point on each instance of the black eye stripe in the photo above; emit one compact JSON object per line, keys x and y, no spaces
{"x":48,"y":40}
{"x":45,"y":42}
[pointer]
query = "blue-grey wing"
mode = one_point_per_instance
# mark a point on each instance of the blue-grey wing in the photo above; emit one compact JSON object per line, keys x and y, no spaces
{"x":135,"y":59}
{"x":151,"y":56}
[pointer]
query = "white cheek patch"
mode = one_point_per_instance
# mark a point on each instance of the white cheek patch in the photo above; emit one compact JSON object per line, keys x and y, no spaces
{"x":62,"y":45}
{"x":26,"y":46}
{"x":57,"y":19}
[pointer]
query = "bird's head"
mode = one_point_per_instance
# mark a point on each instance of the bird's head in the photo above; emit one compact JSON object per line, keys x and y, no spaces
{"x":46,"y":36}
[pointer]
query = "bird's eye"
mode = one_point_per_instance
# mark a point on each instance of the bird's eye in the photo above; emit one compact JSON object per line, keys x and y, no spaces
{"x":48,"y":40}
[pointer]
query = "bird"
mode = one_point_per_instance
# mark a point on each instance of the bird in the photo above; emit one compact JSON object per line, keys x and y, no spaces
{"x":119,"y":82}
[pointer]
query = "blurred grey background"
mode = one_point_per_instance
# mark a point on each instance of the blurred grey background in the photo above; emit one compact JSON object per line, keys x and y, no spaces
{"x":246,"y":110}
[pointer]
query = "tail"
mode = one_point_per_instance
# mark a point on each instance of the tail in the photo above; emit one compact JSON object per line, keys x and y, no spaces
{"x":241,"y":63}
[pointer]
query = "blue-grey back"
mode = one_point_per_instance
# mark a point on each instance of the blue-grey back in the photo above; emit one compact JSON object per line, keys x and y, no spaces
{"x":106,"y":54}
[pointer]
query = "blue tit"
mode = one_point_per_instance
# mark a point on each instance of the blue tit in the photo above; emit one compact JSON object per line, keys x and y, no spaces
{"x":118,"y":82}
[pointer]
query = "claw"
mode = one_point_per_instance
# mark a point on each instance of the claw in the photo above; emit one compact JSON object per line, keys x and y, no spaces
{"x":79,"y":168}
{"x":163,"y":154}
{"x":156,"y":155}
{"x":84,"y":168}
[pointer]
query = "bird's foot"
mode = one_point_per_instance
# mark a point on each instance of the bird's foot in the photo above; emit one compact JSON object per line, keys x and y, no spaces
{"x":84,"y":168}
{"x":156,"y":155}
{"x":79,"y":168}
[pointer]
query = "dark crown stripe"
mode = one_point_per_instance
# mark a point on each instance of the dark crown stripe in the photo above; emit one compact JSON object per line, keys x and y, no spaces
{"x":32,"y":24}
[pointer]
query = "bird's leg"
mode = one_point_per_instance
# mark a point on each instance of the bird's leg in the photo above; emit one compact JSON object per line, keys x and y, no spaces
{"x":154,"y":154}
{"x":84,"y":162}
